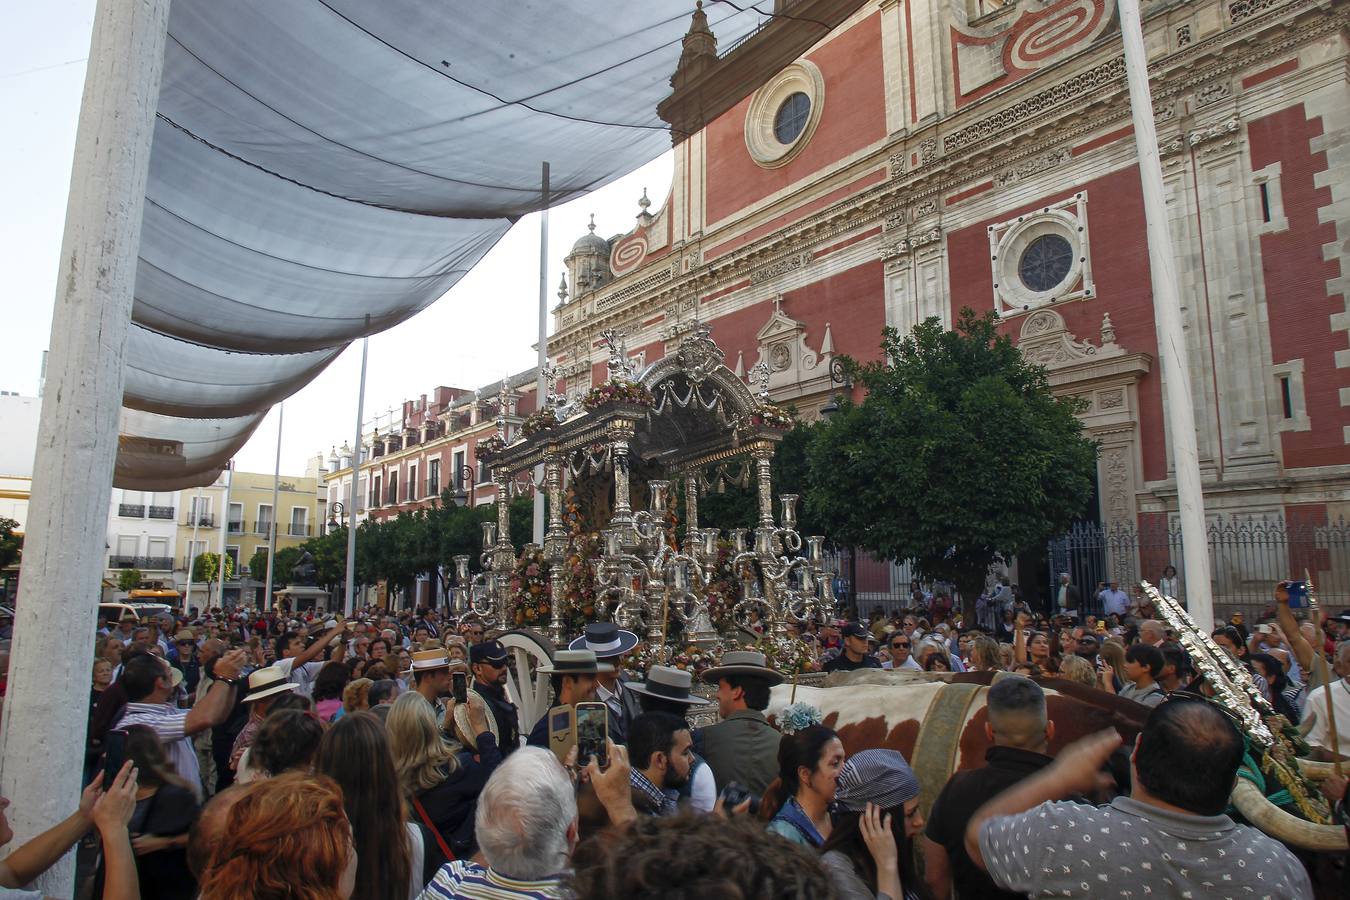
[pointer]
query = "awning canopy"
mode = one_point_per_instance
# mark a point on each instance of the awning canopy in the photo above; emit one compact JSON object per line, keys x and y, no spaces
{"x":316,"y":162}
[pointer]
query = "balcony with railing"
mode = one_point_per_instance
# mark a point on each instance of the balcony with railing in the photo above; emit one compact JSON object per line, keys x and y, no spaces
{"x":144,"y":563}
{"x":131,"y":510}
{"x":235,"y":526}
{"x":298,"y":530}
{"x":204,"y":521}
{"x":262,"y":526}
{"x":161,"y":512}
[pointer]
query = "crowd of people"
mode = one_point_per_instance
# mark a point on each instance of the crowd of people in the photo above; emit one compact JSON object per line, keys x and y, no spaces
{"x":264,"y":755}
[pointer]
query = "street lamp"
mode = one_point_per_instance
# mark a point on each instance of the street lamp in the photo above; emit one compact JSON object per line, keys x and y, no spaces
{"x":839,"y":374}
{"x":337,"y":516}
{"x":464,"y":476}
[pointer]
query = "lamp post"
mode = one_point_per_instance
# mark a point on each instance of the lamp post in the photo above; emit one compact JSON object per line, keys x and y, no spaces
{"x":464,"y":475}
{"x":337,"y":516}
{"x":841,"y":375}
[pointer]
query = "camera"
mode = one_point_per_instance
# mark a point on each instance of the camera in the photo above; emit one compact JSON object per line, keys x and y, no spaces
{"x":734,"y":794}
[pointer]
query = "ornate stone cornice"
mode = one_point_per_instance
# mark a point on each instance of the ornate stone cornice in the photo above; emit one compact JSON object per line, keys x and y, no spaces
{"x":910,"y":195}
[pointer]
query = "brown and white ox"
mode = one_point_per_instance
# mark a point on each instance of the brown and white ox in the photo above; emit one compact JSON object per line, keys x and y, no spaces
{"x":938,"y":723}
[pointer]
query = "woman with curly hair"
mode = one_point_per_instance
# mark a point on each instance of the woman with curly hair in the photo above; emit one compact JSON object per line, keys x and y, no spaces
{"x":328,"y":688}
{"x":287,"y":838}
{"x":355,"y":696}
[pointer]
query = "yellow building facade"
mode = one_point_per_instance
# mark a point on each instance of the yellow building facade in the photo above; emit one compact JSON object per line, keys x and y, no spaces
{"x":238,"y":509}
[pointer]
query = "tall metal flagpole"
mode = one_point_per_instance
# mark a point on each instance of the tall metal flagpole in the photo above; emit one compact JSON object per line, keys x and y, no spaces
{"x":540,"y":382}
{"x":1167,"y":319}
{"x":46,"y":704}
{"x":192,"y":551}
{"x":276,"y":496}
{"x":349,"y":602}
{"x":224,"y":532}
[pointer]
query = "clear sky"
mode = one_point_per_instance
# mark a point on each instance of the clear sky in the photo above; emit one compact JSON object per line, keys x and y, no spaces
{"x":481,"y":329}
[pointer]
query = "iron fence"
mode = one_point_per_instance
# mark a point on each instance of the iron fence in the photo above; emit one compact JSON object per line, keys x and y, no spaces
{"x":1247,"y":555}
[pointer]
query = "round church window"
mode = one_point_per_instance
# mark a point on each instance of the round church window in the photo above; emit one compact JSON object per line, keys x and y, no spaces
{"x":1045,"y":262}
{"x":791,"y":118}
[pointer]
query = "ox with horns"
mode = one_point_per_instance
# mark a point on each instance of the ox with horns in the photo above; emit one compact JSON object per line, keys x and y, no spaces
{"x":937,"y":722}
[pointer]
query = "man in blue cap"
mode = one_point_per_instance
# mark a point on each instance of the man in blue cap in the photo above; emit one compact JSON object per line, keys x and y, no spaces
{"x":487,"y":660}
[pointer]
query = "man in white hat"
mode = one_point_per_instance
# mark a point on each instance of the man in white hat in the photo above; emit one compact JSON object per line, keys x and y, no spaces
{"x":743,"y":747}
{"x":431,"y":677}
{"x":609,"y":643}
{"x":264,"y":686}
{"x":573,"y":675}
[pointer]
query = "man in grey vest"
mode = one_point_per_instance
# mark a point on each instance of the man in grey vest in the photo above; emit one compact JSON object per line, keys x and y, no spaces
{"x":743,"y":747}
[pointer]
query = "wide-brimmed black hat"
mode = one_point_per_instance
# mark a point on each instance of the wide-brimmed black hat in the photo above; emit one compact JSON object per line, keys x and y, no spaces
{"x":746,"y":663}
{"x":575,"y":662}
{"x":606,"y":640}
{"x":666,"y":683}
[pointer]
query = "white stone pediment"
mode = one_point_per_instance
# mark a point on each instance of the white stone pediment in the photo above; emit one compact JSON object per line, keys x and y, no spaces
{"x":1046,"y":341}
{"x":783,"y":350}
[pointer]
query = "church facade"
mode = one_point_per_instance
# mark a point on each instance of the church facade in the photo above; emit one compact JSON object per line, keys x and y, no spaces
{"x":929,"y":155}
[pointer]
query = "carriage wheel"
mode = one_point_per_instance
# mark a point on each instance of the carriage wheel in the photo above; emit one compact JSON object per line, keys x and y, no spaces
{"x":525,"y":685}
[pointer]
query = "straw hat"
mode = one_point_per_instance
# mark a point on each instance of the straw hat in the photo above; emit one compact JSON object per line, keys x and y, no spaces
{"x":428,"y":660}
{"x":267,"y":681}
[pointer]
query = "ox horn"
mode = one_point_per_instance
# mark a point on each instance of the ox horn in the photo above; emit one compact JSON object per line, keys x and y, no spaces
{"x":1277,"y":823}
{"x":1316,"y":771}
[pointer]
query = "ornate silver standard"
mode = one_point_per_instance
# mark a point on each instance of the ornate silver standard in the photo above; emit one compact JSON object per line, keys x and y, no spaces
{"x":684,"y":414}
{"x":1232,"y":684}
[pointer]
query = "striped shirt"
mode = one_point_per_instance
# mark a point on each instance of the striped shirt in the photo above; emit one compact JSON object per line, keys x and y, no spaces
{"x":167,"y":721}
{"x":464,"y":880}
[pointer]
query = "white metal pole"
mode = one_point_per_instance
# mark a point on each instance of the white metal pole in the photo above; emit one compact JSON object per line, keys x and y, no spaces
{"x":224,"y":530}
{"x":46,"y":704}
{"x":349,"y":604}
{"x":540,"y":382}
{"x":276,"y":495}
{"x":192,"y":550}
{"x":1167,"y":318}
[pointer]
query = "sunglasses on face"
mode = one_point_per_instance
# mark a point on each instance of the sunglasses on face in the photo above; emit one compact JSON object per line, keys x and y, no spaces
{"x":900,"y":646}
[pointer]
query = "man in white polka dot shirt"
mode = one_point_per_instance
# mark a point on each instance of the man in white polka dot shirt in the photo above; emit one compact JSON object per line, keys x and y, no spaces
{"x":1169,"y":838}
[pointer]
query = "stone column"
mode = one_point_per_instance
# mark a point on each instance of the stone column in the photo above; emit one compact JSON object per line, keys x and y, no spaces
{"x":46,"y":709}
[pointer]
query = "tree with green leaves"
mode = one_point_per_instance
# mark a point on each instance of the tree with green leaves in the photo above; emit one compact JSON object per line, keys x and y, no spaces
{"x":960,"y":452}
{"x":128,"y":579}
{"x":207,"y":567}
{"x":737,"y":505}
{"x":11,"y":542}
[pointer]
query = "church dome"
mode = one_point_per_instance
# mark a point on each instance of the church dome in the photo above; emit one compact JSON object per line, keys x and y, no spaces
{"x":591,"y":242}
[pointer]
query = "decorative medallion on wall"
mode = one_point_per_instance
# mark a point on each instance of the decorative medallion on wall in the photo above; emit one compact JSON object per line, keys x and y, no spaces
{"x":784,"y":113}
{"x":1041,"y":257}
{"x":784,"y":354}
{"x":1008,"y":50}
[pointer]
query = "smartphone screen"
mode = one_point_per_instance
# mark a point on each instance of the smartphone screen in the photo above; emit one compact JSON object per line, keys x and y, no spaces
{"x":114,"y":755}
{"x":460,"y":687}
{"x":592,"y":731}
{"x":1298,"y":594}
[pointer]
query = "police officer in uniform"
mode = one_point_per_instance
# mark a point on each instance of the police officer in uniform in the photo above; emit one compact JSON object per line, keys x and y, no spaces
{"x":487,"y":660}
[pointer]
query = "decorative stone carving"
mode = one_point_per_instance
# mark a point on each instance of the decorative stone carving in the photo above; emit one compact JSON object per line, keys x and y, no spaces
{"x":1116,"y":467}
{"x":1046,"y":341}
{"x":1245,"y":9}
{"x":927,"y":150}
{"x":1036,"y":164}
{"x":1001,"y":122}
{"x":1213,"y":132}
{"x":1183,"y":36}
{"x":699,"y":354}
{"x":910,"y":244}
{"x":1063,"y":228}
{"x":1213,"y":93}
{"x":1111,"y":399}
{"x":785,"y":359}
{"x":780,"y":267}
{"x":926,"y":208}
